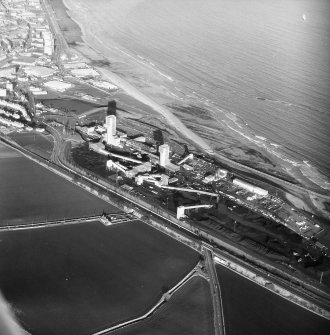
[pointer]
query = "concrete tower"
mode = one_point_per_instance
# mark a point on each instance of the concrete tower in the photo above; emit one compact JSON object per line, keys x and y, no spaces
{"x":110,"y":125}
{"x":164,"y":154}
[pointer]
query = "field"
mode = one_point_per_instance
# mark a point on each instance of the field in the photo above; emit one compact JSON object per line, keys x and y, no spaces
{"x":40,"y":144}
{"x":188,"y":312}
{"x":81,"y":278}
{"x":251,"y":309}
{"x":70,"y":105}
{"x":30,"y":192}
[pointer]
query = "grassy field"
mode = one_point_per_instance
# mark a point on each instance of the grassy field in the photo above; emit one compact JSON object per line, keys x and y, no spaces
{"x":70,"y":105}
{"x":251,"y":309}
{"x":81,"y":278}
{"x":40,"y":144}
{"x":188,"y":312}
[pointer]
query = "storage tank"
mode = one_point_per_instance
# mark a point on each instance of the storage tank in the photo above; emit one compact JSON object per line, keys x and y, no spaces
{"x":220,"y":174}
{"x":249,"y":187}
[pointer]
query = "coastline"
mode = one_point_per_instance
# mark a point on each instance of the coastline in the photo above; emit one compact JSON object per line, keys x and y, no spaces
{"x":130,"y":90}
{"x":250,"y":158}
{"x":248,"y":235}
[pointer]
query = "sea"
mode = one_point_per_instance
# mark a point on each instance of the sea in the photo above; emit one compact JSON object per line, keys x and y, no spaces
{"x":257,"y":69}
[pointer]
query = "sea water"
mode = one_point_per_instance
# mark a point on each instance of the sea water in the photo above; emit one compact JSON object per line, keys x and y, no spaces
{"x":260,"y":69}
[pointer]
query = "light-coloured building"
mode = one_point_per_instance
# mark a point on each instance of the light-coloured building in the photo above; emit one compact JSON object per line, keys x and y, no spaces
{"x":111,"y":124}
{"x":164,"y":155}
{"x":57,"y":85}
{"x":164,"y":158}
{"x":39,"y":71}
{"x":3,"y":92}
{"x":144,"y":167}
{"x":110,"y":136}
{"x":249,"y":187}
{"x":88,"y":72}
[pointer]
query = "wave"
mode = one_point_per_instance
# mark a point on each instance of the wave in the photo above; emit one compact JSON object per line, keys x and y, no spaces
{"x":166,"y":76}
{"x":192,"y":76}
{"x":240,"y":126}
{"x":305,"y":167}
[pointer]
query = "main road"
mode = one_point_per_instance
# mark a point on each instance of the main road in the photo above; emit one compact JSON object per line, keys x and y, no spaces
{"x":61,"y":46}
{"x":219,"y":319}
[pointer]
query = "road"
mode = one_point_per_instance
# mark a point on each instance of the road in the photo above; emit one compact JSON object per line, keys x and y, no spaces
{"x":164,"y":298}
{"x":219,"y":319}
{"x":61,"y":46}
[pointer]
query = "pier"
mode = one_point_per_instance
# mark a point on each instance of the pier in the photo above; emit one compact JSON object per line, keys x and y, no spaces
{"x":106,"y":219}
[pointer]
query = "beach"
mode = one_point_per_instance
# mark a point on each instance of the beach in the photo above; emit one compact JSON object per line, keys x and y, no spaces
{"x":243,"y":101}
{"x":215,"y":131}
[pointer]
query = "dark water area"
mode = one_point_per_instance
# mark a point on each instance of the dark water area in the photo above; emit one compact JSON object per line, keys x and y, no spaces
{"x":189,"y":311}
{"x":29,"y":192}
{"x":82,"y":278}
{"x":251,"y":309}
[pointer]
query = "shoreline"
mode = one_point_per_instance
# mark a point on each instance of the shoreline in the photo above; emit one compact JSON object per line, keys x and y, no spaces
{"x":90,"y":54}
{"x":261,"y":250}
{"x":267,"y":155}
{"x":130,"y":90}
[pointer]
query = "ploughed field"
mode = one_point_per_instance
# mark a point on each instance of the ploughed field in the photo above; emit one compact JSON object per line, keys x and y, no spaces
{"x":189,"y":311}
{"x":30,"y":192}
{"x":251,"y":309}
{"x":78,"y":279}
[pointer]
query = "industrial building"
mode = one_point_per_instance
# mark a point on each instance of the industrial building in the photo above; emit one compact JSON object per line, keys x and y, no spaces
{"x":249,"y":187}
{"x":110,"y":136}
{"x":164,"y":159}
{"x":164,"y":154}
